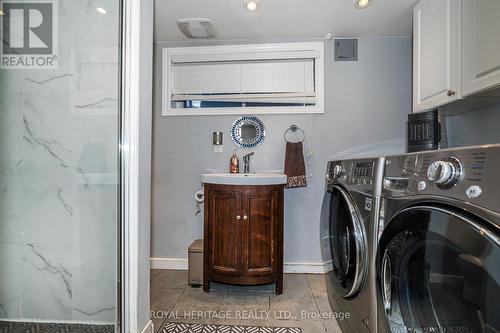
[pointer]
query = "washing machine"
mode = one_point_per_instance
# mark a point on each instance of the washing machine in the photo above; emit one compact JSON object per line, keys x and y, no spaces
{"x":348,"y":237}
{"x":438,"y":257}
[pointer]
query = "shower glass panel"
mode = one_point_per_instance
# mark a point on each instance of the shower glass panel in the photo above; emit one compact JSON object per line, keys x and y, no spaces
{"x":59,"y":174}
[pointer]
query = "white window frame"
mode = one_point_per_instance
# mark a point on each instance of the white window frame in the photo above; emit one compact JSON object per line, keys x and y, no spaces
{"x":244,"y":52}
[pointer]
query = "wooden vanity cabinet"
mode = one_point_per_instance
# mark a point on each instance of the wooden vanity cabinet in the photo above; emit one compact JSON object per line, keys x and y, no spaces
{"x":243,"y":235}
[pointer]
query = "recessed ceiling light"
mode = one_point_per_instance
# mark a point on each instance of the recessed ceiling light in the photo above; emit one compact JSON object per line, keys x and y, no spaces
{"x":2,"y":12}
{"x":101,"y":10}
{"x":252,"y":5}
{"x":362,"y":3}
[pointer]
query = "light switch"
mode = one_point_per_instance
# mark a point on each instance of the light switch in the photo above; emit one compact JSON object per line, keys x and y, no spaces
{"x":218,"y":142}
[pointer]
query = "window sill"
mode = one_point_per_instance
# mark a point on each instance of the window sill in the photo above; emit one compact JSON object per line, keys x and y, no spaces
{"x":240,"y":111}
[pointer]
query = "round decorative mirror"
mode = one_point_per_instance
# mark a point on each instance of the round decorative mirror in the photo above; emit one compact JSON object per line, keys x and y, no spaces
{"x":248,"y":131}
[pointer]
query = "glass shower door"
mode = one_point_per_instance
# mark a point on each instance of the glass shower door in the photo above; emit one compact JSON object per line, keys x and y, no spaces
{"x":59,"y":175}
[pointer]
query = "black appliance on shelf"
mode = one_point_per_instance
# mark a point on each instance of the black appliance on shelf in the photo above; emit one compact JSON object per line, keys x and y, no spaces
{"x":424,"y":131}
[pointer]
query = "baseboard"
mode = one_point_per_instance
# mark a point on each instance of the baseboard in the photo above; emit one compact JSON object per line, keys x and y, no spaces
{"x":169,"y":263}
{"x":306,"y":268}
{"x":182,"y":264}
{"x":149,"y":328}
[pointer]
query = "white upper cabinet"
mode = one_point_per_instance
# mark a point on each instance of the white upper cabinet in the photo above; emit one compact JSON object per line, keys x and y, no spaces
{"x":481,"y":45}
{"x":436,"y":53}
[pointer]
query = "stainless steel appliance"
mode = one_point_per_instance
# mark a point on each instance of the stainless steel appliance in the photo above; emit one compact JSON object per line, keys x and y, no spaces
{"x":348,"y":237}
{"x":438,"y":258}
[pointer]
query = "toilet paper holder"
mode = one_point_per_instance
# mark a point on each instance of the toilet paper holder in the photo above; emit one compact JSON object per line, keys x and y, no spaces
{"x":199,"y":198}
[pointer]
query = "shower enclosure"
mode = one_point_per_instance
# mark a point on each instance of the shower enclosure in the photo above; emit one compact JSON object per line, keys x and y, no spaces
{"x":59,"y":165}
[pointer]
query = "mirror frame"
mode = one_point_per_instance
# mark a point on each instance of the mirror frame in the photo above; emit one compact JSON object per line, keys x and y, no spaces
{"x":248,"y":120}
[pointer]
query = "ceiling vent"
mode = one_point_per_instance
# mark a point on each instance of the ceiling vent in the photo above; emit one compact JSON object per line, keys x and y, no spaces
{"x":197,"y":28}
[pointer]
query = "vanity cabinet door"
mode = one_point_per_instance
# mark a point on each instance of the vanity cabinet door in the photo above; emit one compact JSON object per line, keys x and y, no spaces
{"x":481,"y":45}
{"x":243,"y":231}
{"x":436,"y":53}
{"x":262,"y":232}
{"x":225,"y":232}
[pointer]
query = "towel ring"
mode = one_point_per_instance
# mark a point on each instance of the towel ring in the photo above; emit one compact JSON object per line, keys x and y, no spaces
{"x":294,"y":128}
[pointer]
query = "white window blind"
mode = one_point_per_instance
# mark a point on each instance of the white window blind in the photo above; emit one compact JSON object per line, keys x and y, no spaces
{"x":273,"y":80}
{"x":276,"y":78}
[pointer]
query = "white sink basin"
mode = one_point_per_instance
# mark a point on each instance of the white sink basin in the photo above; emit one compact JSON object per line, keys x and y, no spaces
{"x":244,"y":178}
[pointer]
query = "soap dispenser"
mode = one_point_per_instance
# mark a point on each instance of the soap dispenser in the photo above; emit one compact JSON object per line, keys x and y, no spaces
{"x":234,"y":163}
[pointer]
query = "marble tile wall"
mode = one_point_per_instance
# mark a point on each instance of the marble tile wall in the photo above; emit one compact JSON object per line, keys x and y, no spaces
{"x":59,"y":176}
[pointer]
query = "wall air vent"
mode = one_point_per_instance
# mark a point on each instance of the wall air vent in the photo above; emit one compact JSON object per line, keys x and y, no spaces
{"x":197,"y":28}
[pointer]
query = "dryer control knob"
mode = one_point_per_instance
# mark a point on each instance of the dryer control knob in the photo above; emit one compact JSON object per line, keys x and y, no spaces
{"x":338,"y":171}
{"x":445,"y":173}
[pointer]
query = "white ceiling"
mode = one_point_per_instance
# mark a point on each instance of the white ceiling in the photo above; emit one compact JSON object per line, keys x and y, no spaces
{"x":286,"y":19}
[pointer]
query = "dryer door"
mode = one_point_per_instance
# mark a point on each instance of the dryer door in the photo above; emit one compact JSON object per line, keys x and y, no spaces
{"x":348,"y":249}
{"x":438,"y":271}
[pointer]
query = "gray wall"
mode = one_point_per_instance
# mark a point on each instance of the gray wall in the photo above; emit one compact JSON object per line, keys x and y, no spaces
{"x":366,"y":105}
{"x":474,"y":127}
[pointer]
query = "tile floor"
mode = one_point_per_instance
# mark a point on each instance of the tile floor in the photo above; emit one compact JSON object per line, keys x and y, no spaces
{"x":252,"y":306}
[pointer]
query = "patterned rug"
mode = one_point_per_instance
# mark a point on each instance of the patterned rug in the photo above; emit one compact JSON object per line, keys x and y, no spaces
{"x":26,"y":327}
{"x":207,"y":328}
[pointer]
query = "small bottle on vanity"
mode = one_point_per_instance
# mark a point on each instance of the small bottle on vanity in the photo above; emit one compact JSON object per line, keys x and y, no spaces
{"x":234,"y":163}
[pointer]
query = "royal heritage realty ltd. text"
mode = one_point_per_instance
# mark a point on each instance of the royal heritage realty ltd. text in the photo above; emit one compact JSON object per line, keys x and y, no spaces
{"x":248,"y":315}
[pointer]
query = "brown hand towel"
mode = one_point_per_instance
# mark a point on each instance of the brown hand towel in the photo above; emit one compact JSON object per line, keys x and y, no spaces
{"x":295,"y":168}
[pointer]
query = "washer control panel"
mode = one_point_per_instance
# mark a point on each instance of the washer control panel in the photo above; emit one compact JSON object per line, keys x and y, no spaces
{"x":467,"y":174}
{"x":359,"y":174}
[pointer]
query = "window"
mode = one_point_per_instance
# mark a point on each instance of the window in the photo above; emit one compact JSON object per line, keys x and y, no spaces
{"x":250,"y":79}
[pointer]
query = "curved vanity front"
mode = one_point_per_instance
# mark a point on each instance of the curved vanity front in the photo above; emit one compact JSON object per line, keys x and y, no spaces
{"x":243,"y":229}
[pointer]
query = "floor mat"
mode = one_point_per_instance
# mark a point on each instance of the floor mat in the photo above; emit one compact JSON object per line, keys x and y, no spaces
{"x":27,"y":327}
{"x":208,"y":328}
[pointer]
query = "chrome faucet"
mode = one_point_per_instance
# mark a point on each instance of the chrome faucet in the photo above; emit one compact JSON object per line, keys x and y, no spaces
{"x":246,"y":162}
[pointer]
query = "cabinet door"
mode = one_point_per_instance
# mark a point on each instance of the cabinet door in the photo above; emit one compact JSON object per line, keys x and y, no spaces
{"x":261,"y":232}
{"x":225,"y":232}
{"x":436,"y":53}
{"x":481,"y":45}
